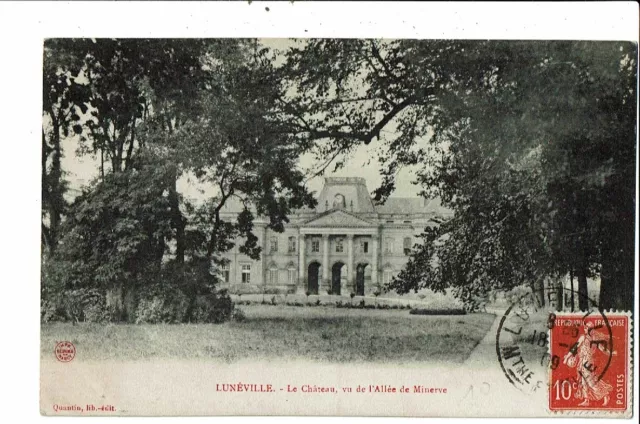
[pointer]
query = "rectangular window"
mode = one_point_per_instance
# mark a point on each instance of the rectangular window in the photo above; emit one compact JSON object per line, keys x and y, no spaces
{"x":315,"y":246}
{"x":386,"y":277}
{"x":292,"y":244}
{"x":388,"y":245}
{"x":365,"y":247}
{"x":339,"y":246}
{"x":246,"y":273}
{"x":291,"y":276}
{"x":406,"y":245}
{"x":225,"y":273}
{"x":274,"y":244}
{"x":273,"y":276}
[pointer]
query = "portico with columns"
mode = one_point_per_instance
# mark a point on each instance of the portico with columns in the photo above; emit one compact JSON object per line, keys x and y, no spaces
{"x":337,"y":245}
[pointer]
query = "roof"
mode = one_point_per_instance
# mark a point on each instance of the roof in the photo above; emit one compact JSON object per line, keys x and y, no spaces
{"x":412,"y":205}
{"x":357,"y":201}
{"x":352,"y":190}
{"x":338,"y":218}
{"x":401,"y":205}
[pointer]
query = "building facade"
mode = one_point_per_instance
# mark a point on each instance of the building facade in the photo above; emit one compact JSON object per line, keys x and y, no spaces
{"x":346,"y":245}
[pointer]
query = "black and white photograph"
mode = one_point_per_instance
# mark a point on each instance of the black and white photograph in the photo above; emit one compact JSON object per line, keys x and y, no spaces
{"x":337,"y":226}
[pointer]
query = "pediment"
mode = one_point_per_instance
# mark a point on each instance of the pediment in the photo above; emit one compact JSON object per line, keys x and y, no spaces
{"x":338,"y":218}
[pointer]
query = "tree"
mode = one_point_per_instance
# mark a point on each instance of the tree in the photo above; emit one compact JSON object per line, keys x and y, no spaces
{"x":522,"y":140}
{"x":116,"y":234}
{"x":156,"y":111}
{"x":235,"y":143}
{"x":63,"y":101}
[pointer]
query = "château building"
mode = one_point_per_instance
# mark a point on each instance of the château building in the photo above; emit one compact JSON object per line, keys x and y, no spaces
{"x":347,"y":244}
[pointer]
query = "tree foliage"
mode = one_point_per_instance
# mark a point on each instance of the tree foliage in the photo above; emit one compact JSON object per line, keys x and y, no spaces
{"x":530,"y":144}
{"x":157,"y":111}
{"x":62,"y":102}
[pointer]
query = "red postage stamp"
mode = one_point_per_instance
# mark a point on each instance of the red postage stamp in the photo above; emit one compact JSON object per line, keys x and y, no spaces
{"x":590,"y":362}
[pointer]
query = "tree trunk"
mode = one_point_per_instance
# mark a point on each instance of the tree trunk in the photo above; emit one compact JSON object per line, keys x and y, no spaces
{"x":617,"y":277}
{"x":573,"y":293}
{"x":114,"y":302}
{"x":617,"y":280}
{"x":178,"y":221}
{"x":129,"y":302}
{"x":560,"y":293}
{"x":54,"y":186}
{"x":583,"y":292}
{"x":102,"y":163}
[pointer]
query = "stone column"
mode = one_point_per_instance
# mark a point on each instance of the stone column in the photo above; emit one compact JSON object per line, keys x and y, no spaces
{"x":326,"y":275}
{"x":374,"y":259}
{"x":301,"y":263}
{"x":263,"y":256}
{"x":350,"y":266}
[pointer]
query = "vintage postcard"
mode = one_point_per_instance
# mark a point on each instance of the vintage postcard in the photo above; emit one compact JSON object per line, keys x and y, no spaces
{"x":350,"y":227}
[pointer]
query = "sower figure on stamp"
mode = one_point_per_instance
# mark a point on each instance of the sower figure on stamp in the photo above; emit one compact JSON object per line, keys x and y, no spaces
{"x":590,"y":385}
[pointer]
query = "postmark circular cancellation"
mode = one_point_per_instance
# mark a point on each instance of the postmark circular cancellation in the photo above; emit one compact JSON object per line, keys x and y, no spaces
{"x":580,"y":359}
{"x":65,"y":351}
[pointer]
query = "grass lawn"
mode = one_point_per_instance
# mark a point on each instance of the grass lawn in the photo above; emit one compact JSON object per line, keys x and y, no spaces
{"x":284,"y":332}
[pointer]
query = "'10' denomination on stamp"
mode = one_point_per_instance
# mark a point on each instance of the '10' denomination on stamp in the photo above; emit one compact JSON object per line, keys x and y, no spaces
{"x":589,"y":362}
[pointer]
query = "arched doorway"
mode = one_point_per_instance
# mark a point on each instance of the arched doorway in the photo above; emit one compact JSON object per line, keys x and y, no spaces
{"x":336,"y":277}
{"x":360,"y":271}
{"x":312,"y":277}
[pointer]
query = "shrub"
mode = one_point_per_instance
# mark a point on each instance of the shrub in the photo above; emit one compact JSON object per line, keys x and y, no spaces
{"x":77,"y":305}
{"x":242,"y":289}
{"x":419,"y":311}
{"x":238,"y":315}
{"x":159,"y":303}
{"x":520,"y":295}
{"x":213,"y":308}
{"x":66,"y":294}
{"x":317,"y":302}
{"x":50,"y":311}
{"x":362,"y":303}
